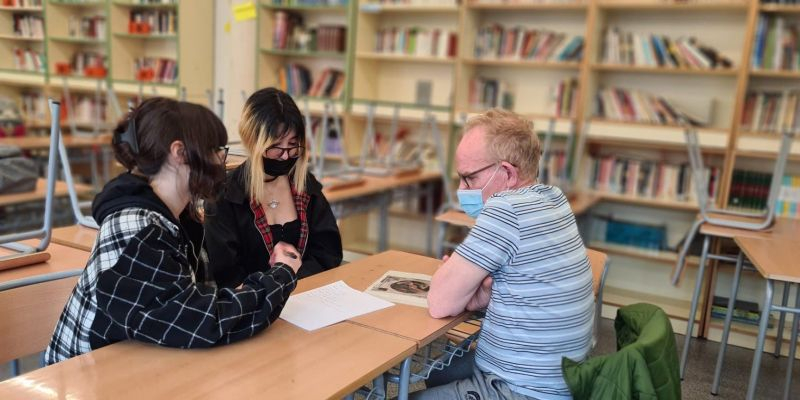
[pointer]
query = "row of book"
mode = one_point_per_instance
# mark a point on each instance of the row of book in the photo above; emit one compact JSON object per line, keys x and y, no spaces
{"x":86,"y":110}
{"x":153,"y":69}
{"x":745,"y":312}
{"x":290,"y":33}
{"x":28,"y":26}
{"x":771,"y":111}
{"x":28,"y":60}
{"x":83,"y":61}
{"x":489,"y":93}
{"x":21,"y":3}
{"x":776,"y":45}
{"x":750,"y":192}
{"x":34,"y":106}
{"x":637,"y":106}
{"x":648,"y":179}
{"x":153,"y":22}
{"x":631,"y":48}
{"x":565,"y":96}
{"x":90,"y":27}
{"x":554,"y":168}
{"x":416,"y":41}
{"x":496,"y":41}
{"x":145,"y":2}
{"x":418,"y":2}
{"x":296,"y":80}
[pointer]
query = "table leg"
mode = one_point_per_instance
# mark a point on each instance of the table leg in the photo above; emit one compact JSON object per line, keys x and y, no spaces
{"x":405,"y":379}
{"x":383,"y":222}
{"x":349,"y":397}
{"x":695,"y":298}
{"x":792,"y":342}
{"x":726,"y":329}
{"x":762,"y":334}
{"x":14,"y":367}
{"x":782,"y":319}
{"x":440,"y":242}
{"x":429,"y":217}
{"x":379,"y":387}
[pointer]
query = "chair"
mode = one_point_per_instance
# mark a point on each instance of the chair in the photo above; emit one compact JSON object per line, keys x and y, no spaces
{"x":30,"y":308}
{"x":600,"y":264}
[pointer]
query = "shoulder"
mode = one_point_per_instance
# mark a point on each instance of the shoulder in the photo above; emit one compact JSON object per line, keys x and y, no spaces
{"x":529,"y":199}
{"x":313,"y":186}
{"x":129,"y":221}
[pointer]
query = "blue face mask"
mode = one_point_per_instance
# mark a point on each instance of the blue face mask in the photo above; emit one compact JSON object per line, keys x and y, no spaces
{"x":471,"y":200}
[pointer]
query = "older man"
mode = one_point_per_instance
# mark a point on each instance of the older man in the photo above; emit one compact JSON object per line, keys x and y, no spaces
{"x":524,"y":262}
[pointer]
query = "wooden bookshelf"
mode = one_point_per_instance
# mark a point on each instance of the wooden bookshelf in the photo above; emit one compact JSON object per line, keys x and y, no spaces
{"x":309,"y":8}
{"x":647,"y":202}
{"x":404,"y":58}
{"x":78,"y":4}
{"x":731,"y":72}
{"x":780,"y":8}
{"x":673,"y":6}
{"x":21,"y":38}
{"x":134,"y":4}
{"x":525,"y":6}
{"x":22,"y":9}
{"x":377,"y":8}
{"x":565,"y":65}
{"x":304,"y":53}
{"x":775,"y":74}
{"x":658,"y":256}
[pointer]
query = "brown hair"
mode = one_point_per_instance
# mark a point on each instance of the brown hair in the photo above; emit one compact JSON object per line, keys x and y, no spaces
{"x":158,"y":122}
{"x":268,"y":116}
{"x":510,"y":138}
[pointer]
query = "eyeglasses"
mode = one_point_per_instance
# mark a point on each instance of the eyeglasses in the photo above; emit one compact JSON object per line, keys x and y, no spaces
{"x":276,"y":152}
{"x":222,"y":153}
{"x":470,"y":176}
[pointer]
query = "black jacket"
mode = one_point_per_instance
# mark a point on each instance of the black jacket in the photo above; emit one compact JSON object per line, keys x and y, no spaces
{"x":239,"y":245}
{"x":141,"y":282}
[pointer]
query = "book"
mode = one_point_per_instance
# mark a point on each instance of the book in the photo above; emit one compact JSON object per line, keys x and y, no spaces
{"x":402,"y":287}
{"x":633,"y":48}
{"x":776,"y":44}
{"x":416,"y":41}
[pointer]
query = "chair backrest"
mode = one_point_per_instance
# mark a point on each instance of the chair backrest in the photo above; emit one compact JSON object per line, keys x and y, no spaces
{"x":598,"y":262}
{"x":29,"y":315}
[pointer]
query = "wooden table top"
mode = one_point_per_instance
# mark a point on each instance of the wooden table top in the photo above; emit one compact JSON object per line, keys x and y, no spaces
{"x":775,"y":258}
{"x":62,"y":258}
{"x":40,"y":192}
{"x":75,"y":236}
{"x":406,"y":321}
{"x":781,"y":227}
{"x":43,"y":142}
{"x":284,"y":362}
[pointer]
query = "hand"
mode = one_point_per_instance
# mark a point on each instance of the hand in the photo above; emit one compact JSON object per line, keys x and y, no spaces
{"x":287,"y":254}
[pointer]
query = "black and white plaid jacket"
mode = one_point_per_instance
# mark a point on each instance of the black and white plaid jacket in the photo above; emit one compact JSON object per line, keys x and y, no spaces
{"x":139,"y":284}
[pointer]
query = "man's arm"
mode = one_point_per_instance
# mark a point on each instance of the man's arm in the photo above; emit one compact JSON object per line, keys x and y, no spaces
{"x":455,"y":285}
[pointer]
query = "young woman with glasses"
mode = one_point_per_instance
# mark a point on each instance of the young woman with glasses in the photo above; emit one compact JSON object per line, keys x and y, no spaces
{"x":271,"y":198}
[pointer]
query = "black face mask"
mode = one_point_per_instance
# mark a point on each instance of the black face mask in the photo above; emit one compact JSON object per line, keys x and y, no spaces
{"x":276,"y":168}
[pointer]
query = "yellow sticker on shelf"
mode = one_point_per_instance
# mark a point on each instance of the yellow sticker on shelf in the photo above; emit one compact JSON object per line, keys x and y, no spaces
{"x":227,"y":27}
{"x":244,"y":11}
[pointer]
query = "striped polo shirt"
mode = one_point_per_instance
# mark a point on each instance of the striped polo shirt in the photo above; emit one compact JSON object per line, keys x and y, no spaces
{"x":542,"y":304}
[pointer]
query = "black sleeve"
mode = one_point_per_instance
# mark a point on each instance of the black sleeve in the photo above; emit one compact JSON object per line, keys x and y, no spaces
{"x":324,"y":247}
{"x":150,"y":293}
{"x":222,"y":243}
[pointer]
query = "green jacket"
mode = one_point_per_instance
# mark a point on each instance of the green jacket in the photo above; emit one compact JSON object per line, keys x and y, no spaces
{"x":645,"y":365}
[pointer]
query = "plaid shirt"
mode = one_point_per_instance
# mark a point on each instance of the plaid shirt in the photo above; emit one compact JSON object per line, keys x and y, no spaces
{"x":139,"y":284}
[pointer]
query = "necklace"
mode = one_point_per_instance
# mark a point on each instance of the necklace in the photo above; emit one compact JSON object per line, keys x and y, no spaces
{"x":273,"y":204}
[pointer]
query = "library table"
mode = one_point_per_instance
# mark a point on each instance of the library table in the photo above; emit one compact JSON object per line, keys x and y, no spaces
{"x":775,"y":259}
{"x":75,"y":236}
{"x":401,"y":320}
{"x":64,"y":261}
{"x":39,"y":193}
{"x":284,"y":362}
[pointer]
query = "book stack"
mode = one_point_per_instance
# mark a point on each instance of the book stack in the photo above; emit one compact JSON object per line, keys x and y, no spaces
{"x":87,"y":63}
{"x":34,"y":106}
{"x":153,"y":22}
{"x":28,"y":60}
{"x":28,"y":26}
{"x":93,"y":27}
{"x":21,"y":3}
{"x":771,"y":111}
{"x":518,"y":43}
{"x":565,"y":95}
{"x":648,"y":179}
{"x":159,"y":70}
{"x":745,"y":312}
{"x":295,"y":79}
{"x":630,"y":48}
{"x":490,"y":93}
{"x":776,"y":45}
{"x":291,"y":34}
{"x":330,"y":83}
{"x":84,"y":109}
{"x":417,"y":41}
{"x":637,"y":106}
{"x":788,"y":204}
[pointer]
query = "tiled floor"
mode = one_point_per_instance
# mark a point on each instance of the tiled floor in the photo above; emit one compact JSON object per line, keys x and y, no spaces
{"x":699,"y":374}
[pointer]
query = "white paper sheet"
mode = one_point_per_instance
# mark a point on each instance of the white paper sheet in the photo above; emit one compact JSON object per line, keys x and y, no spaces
{"x":328,"y":305}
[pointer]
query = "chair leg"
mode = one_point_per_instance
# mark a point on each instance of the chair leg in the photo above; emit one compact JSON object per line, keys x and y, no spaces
{"x":13,"y":366}
{"x":695,"y":298}
{"x":723,"y":343}
{"x":782,"y":319}
{"x":793,"y":343}
{"x":762,"y":335}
